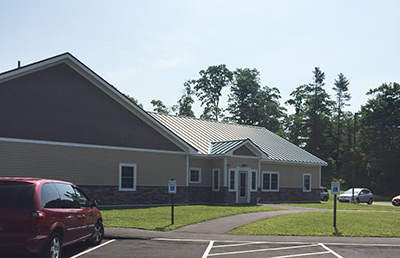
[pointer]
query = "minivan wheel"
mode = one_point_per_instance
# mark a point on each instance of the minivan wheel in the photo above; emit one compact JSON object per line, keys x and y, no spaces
{"x":97,"y":235}
{"x":53,"y":247}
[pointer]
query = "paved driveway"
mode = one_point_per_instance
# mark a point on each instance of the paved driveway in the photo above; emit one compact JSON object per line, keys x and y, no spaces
{"x":196,"y":248}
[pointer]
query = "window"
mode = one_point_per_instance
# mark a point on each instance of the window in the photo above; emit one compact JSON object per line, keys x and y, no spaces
{"x":306,"y":182}
{"x":81,"y":198}
{"x":215,"y":178}
{"x":270,"y":181}
{"x":195,"y":175}
{"x":68,"y":196}
{"x":254,"y":180}
{"x":16,"y":196}
{"x":127,"y":177}
{"x":50,"y":196}
{"x":232,"y":183}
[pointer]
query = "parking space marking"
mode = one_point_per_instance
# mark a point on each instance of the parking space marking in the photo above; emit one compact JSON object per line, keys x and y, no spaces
{"x":210,"y":245}
{"x":93,"y":248}
{"x":330,"y":250}
{"x":317,"y":248}
{"x":299,"y":255}
{"x":270,"y":249}
{"x":241,"y":244}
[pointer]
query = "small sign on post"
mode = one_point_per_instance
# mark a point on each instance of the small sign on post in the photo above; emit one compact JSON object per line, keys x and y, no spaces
{"x":335,"y":190}
{"x":172,"y":186}
{"x":172,"y":191}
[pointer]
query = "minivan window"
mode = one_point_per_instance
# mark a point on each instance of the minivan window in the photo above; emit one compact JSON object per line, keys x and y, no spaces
{"x":81,"y":197}
{"x":50,"y":196}
{"x":16,"y":195}
{"x":68,"y":196}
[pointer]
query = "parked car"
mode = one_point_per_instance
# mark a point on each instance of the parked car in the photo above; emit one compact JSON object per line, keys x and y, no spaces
{"x":43,"y":215}
{"x":360,"y":195}
{"x":324,"y":194}
{"x":396,"y":200}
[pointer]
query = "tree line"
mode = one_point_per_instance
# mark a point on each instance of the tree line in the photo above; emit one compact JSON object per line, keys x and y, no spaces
{"x":364,"y":146}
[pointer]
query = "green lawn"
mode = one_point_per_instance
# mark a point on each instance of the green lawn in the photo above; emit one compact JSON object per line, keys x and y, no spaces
{"x":354,"y":223}
{"x":159,"y":218}
{"x":345,"y":206}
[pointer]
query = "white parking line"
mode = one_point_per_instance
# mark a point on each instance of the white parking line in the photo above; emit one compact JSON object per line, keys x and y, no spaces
{"x":299,"y":255}
{"x":330,"y":250}
{"x":241,"y":244}
{"x":271,"y":242}
{"x":238,"y":243}
{"x":210,"y":245}
{"x":93,"y":248}
{"x":264,"y":250}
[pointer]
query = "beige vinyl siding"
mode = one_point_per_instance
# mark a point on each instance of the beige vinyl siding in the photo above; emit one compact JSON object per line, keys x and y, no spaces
{"x":291,"y":175}
{"x":239,"y":162}
{"x":217,"y":164}
{"x":244,"y":151}
{"x":89,"y":166}
{"x":206,"y":165}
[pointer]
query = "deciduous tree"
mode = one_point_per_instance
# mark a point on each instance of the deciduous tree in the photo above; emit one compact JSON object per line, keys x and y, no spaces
{"x":184,"y":106}
{"x":208,"y":89}
{"x":159,"y":107}
{"x":380,"y":138}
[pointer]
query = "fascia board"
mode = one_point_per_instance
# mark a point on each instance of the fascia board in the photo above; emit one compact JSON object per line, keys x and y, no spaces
{"x":254,"y":147}
{"x":34,"y":67}
{"x":294,"y":162}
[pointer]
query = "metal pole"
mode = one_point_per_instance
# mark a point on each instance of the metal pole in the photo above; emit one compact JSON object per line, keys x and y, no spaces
{"x":354,"y":155}
{"x":334,"y":213}
{"x":172,"y":209}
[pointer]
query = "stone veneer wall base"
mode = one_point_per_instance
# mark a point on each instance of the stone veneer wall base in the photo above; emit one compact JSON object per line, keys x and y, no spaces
{"x":111,"y":195}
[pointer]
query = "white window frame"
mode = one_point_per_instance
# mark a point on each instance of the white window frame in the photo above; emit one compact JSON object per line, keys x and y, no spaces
{"x":234,"y":180}
{"x":305,"y":190}
{"x":264,"y":173}
{"x":216,"y":170}
{"x":251,"y":181}
{"x":190,"y":175}
{"x":121,"y":165}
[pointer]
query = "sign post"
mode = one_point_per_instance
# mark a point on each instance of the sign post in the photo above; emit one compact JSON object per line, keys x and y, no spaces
{"x":172,"y":191}
{"x":335,"y":190}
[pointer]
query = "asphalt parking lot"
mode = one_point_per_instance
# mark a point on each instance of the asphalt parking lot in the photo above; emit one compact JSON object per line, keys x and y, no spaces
{"x":124,"y":248}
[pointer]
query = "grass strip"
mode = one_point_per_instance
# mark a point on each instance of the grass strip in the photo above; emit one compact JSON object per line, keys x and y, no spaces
{"x":345,"y":206}
{"x":159,"y":218}
{"x":351,"y":224}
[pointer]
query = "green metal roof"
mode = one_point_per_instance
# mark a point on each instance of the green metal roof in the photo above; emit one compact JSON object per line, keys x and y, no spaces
{"x":204,"y":136}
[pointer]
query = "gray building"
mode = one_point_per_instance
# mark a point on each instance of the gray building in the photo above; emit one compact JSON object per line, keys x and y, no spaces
{"x":61,"y":120}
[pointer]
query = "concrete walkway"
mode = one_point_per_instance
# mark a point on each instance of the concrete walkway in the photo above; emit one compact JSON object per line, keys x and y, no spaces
{"x":218,"y":226}
{"x":225,"y":224}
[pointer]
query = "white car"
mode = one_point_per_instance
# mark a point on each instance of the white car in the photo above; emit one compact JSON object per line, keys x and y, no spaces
{"x":360,"y":195}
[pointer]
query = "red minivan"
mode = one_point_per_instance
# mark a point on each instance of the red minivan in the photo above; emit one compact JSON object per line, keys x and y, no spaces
{"x":43,"y":215}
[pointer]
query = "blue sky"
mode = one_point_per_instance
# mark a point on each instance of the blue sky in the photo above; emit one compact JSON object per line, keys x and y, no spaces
{"x":148,"y":49}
